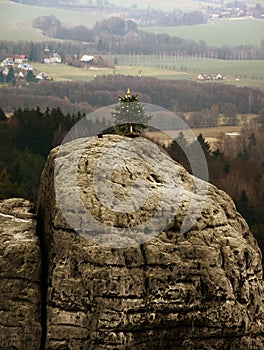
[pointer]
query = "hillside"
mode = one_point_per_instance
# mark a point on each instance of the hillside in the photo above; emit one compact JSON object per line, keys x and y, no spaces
{"x":231,"y":32}
{"x":19,"y":27}
{"x":224,"y":32}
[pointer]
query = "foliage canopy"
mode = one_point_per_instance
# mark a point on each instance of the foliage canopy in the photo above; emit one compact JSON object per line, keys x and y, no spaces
{"x":130,"y":115}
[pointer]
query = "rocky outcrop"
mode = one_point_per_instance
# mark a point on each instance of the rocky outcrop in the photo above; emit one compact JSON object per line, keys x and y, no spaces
{"x":200,"y":288}
{"x":20,"y":277}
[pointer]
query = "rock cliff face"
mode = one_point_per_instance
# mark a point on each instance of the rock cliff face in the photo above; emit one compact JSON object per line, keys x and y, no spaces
{"x":195,"y":289}
{"x":20,"y":277}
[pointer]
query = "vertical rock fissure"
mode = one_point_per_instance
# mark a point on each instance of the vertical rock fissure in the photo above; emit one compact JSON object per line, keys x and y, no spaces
{"x":44,"y":281}
{"x":146,"y":281}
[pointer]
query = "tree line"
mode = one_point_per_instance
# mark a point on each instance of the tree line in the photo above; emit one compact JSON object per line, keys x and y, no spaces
{"x":132,"y":43}
{"x":123,"y":37}
{"x":180,"y":96}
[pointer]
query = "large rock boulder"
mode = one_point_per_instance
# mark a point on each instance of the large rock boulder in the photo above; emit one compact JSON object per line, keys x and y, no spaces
{"x":20,"y":277}
{"x":194,"y":288}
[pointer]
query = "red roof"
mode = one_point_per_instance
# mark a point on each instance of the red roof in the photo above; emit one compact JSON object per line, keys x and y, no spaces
{"x":19,"y":56}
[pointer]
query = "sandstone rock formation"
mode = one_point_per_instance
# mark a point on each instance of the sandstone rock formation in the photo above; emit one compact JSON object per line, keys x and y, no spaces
{"x":20,"y":277}
{"x":200,"y":288}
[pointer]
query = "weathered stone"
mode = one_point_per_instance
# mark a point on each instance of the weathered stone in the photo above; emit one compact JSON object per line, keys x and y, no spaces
{"x":20,"y":264}
{"x":195,"y":289}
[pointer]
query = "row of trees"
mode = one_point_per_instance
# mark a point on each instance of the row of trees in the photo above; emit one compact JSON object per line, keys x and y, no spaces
{"x":132,"y":43}
{"x":142,"y":42}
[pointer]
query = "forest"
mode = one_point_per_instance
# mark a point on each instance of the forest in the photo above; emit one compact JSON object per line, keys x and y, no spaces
{"x":175,"y":95}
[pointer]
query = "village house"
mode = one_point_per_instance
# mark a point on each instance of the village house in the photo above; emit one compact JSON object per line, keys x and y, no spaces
{"x":25,"y":66}
{"x":42,"y":76}
{"x":8,"y":62}
{"x":19,"y":59}
{"x":216,"y":76}
{"x":14,"y":60}
{"x":86,"y":58}
{"x":52,"y":58}
{"x":212,"y":76}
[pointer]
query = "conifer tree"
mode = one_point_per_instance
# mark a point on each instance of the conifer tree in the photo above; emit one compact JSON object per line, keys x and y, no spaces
{"x":31,"y":76}
{"x":2,"y":77}
{"x":129,"y":114}
{"x":2,"y":115}
{"x":10,"y":78}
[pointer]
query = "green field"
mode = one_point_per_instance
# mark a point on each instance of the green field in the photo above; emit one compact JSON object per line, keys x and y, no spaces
{"x":61,"y":72}
{"x":16,"y":23}
{"x":164,"y":5}
{"x":230,"y":32}
{"x":240,"y":73}
{"x":237,"y":72}
{"x":170,"y":5}
{"x":16,"y":20}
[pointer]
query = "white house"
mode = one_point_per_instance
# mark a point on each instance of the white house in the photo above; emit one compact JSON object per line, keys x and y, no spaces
{"x":8,"y":62}
{"x":42,"y":76}
{"x":53,"y":58}
{"x":202,"y":76}
{"x":216,"y":76}
{"x":25,"y":66}
{"x":86,"y":58}
{"x":19,"y":59}
{"x":213,"y":76}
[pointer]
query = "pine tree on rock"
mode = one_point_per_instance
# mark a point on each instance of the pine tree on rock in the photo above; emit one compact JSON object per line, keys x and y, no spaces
{"x":129,"y":115}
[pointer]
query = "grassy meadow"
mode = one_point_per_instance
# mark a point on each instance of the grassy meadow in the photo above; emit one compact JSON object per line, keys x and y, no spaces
{"x":164,"y":5}
{"x":240,"y":73}
{"x":234,"y":71}
{"x":170,"y":5}
{"x":61,"y":72}
{"x":16,"y":20}
{"x":230,"y":32}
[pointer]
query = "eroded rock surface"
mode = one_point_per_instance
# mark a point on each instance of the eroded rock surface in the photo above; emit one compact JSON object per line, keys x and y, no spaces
{"x":199,"y":289}
{"x":20,"y":265}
